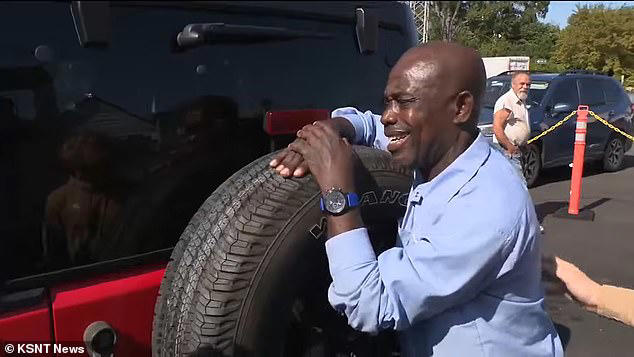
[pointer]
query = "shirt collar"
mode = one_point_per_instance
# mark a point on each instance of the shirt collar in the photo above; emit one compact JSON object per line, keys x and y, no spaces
{"x":515,"y":97}
{"x":445,"y":186}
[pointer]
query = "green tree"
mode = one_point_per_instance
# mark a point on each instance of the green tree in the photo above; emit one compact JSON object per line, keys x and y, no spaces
{"x":448,"y":17}
{"x":503,"y":28}
{"x":601,"y":39}
{"x":493,"y":20}
{"x":496,"y":28}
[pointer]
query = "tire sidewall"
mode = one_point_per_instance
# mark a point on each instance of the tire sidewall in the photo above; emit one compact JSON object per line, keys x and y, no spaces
{"x":298,"y":256}
{"x":533,"y":149}
{"x":607,"y":164}
{"x":233,"y":293}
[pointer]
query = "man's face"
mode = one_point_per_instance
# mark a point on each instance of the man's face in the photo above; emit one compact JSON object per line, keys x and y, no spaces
{"x":417,"y":115}
{"x":521,"y":85}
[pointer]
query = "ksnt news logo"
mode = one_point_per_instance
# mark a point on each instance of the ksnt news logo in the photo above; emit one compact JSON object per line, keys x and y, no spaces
{"x":42,"y":348}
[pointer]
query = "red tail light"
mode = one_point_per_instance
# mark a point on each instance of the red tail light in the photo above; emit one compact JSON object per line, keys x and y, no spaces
{"x":290,"y":121}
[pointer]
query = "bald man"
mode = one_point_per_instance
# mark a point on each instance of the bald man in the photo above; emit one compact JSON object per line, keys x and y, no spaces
{"x":464,"y":278}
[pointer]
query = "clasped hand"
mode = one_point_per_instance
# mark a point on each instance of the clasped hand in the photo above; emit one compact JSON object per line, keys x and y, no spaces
{"x":320,"y":150}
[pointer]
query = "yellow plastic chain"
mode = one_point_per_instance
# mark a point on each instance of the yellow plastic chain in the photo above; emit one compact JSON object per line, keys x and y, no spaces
{"x":605,"y":122}
{"x":558,"y":124}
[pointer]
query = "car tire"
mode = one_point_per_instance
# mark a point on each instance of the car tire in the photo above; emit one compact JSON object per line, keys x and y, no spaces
{"x":250,"y":275}
{"x":532,"y":164}
{"x":186,"y":251}
{"x":614,"y":155}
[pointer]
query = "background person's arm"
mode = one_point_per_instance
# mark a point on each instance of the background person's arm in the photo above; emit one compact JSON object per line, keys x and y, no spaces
{"x":499,"y":123}
{"x":606,"y":300}
{"x":616,"y":303}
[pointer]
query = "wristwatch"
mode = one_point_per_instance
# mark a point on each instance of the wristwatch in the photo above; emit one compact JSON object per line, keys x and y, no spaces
{"x":336,"y":202}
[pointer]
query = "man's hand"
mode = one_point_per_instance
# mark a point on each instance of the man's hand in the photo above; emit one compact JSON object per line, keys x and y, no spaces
{"x":512,"y":150}
{"x":289,"y":162}
{"x":329,"y":157}
{"x":580,"y":286}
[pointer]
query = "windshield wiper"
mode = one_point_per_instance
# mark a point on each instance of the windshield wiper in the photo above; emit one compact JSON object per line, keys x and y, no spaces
{"x":216,"y":33}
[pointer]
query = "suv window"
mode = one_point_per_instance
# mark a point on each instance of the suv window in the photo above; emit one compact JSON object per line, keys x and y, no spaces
{"x":591,"y":92}
{"x":496,"y":87}
{"x":537,"y":91}
{"x":613,"y":93}
{"x":494,"y":90}
{"x":113,"y":149}
{"x":565,"y":92}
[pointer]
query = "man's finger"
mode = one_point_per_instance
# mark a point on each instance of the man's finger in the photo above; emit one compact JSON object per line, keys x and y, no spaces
{"x":277,"y":159}
{"x":291,"y":162}
{"x":300,"y":146}
{"x":301,"y":170}
{"x":327,"y":128}
{"x":313,"y":135}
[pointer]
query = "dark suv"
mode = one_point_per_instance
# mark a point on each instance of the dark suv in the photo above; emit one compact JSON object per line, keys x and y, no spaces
{"x":553,"y":96}
{"x":119,"y":119}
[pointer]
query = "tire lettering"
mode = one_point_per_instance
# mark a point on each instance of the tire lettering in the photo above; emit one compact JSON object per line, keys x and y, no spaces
{"x":367,"y":199}
{"x":390,"y":196}
{"x":403,"y":199}
{"x":318,"y":230}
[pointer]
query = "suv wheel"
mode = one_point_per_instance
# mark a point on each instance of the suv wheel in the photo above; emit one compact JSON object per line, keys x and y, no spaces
{"x":614,"y":155}
{"x":532,"y":164}
{"x":251,"y":275}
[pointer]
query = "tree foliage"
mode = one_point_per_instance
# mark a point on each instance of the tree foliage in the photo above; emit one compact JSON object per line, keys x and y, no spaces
{"x":495,"y":28}
{"x":599,"y":39}
{"x":503,"y":28}
{"x":448,"y":16}
{"x":596,"y":38}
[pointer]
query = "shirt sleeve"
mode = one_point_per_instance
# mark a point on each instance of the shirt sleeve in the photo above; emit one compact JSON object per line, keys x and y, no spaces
{"x":502,"y":103}
{"x":616,"y":303}
{"x":367,"y":127}
{"x":412,"y":283}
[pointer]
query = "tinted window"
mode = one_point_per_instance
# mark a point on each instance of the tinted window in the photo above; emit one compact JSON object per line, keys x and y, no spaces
{"x":112,"y":150}
{"x":537,"y":92}
{"x":565,"y":92}
{"x":591,"y":92}
{"x":494,"y":90}
{"x":613,"y":92}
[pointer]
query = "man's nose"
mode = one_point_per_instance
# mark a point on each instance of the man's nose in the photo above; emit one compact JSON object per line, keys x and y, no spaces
{"x":388,"y":117}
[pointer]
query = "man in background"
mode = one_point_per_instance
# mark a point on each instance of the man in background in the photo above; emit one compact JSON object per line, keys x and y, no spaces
{"x":510,"y":120}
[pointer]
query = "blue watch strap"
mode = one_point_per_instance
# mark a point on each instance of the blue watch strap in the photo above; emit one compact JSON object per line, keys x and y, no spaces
{"x":353,"y":199}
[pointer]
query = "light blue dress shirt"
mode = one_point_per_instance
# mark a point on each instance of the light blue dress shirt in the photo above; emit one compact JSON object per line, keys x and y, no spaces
{"x":465,"y":276}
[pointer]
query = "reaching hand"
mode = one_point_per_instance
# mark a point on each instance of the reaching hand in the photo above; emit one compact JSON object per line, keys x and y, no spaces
{"x":580,"y":286}
{"x":512,"y":150}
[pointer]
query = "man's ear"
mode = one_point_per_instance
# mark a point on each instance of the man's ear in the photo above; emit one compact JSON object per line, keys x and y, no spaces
{"x":465,"y":105}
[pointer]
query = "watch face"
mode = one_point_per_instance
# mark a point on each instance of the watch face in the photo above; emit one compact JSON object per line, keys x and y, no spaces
{"x":335,"y":202}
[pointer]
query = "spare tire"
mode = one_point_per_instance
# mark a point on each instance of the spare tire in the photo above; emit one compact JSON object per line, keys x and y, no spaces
{"x":249,"y":276}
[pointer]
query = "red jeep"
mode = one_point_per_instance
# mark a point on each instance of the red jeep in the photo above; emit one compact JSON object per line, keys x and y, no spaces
{"x":118,"y":120}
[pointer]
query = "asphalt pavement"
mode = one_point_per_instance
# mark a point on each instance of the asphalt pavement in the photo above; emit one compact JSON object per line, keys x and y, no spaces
{"x":603,"y":248}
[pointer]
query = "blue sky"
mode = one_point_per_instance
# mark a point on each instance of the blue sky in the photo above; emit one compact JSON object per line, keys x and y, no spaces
{"x":559,"y":11}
